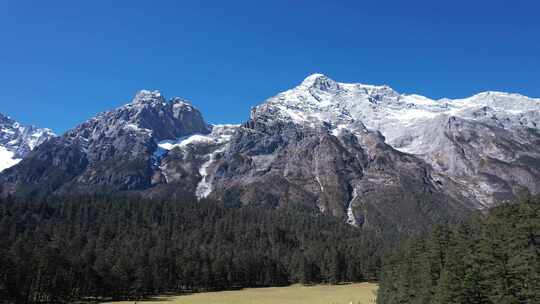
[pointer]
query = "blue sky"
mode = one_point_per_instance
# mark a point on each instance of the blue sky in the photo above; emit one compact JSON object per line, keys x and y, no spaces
{"x":62,"y":62}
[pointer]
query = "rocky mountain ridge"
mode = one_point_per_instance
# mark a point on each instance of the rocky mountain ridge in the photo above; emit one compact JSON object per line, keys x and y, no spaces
{"x":110,"y":152}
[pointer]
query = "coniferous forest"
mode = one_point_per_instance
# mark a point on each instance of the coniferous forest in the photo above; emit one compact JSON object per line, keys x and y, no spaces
{"x":492,"y":259}
{"x":65,"y":249}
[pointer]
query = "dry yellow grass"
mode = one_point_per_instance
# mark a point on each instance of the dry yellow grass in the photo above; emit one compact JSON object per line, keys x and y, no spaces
{"x":361,"y":293}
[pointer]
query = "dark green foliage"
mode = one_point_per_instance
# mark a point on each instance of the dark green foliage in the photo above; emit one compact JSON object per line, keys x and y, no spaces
{"x":64,"y":249}
{"x":491,"y":259}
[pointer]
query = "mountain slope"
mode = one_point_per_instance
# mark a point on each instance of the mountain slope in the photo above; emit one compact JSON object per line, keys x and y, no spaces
{"x":17,"y":140}
{"x":356,"y":177}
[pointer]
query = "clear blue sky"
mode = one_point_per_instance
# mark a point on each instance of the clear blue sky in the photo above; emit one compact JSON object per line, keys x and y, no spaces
{"x":61,"y":62}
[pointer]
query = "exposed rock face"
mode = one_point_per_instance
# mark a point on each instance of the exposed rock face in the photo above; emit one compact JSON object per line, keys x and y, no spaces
{"x":112,"y":152}
{"x":186,"y":163}
{"x":354,"y":176}
{"x":17,"y":140}
{"x":492,"y":163}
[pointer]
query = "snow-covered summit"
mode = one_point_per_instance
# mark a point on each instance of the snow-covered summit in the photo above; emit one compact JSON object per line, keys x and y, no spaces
{"x":319,"y":100}
{"x":17,"y":140}
{"x":320,"y":82}
{"x":147,"y":96}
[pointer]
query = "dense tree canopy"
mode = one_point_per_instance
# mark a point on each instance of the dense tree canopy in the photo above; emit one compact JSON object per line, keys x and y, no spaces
{"x":62,"y":249}
{"x":493,"y":259}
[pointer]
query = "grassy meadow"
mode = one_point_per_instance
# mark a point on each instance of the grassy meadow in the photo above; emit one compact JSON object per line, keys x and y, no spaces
{"x":360,"y":293}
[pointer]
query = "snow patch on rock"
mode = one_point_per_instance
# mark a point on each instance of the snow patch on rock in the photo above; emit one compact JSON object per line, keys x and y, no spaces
{"x":351,"y":219}
{"x":220,"y":134}
{"x":216,"y":141}
{"x":7,"y":159}
{"x":204,"y":188}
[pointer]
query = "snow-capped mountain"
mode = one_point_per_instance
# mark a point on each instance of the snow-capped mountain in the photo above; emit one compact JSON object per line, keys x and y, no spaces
{"x":17,"y":140}
{"x":363,"y":153}
{"x":321,"y":100}
{"x":466,"y":139}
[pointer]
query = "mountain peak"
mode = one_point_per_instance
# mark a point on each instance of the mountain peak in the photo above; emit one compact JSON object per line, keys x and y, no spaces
{"x":311,"y":78}
{"x":145,"y":96}
{"x":320,"y":81}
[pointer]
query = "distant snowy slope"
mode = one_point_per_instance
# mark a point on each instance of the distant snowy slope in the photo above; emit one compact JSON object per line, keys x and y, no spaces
{"x":17,"y":140}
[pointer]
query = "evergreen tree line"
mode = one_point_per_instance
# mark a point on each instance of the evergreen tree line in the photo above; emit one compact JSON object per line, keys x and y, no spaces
{"x":64,"y":249}
{"x":493,"y":258}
